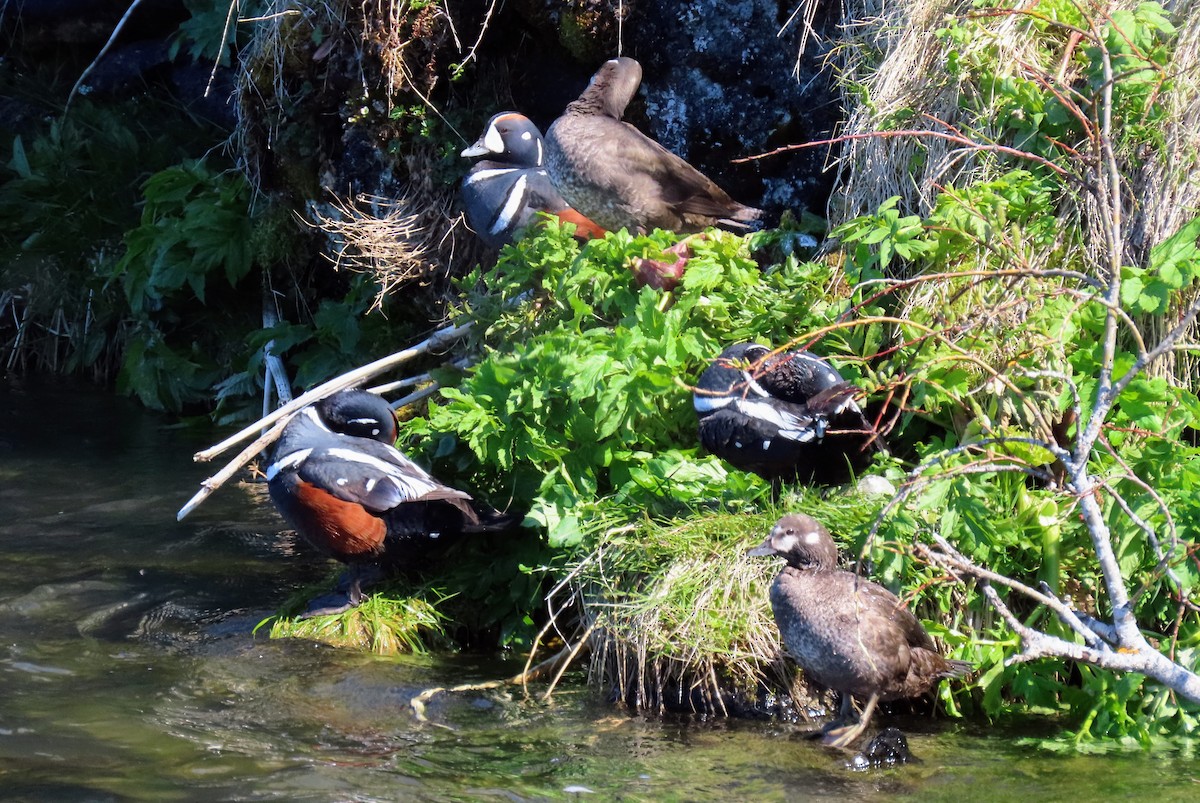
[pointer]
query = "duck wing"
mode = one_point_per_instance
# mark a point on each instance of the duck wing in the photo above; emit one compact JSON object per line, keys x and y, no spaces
{"x":375,"y":476}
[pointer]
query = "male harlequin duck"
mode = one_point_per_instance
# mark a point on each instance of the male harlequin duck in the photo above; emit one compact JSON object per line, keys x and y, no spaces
{"x":337,"y":478}
{"x":783,"y":416}
{"x":621,"y":178}
{"x":505,"y":191}
{"x":846,"y":632}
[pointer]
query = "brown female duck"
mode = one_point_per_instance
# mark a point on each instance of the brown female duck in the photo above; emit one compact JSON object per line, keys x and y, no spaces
{"x":619,"y":177}
{"x":846,"y":632}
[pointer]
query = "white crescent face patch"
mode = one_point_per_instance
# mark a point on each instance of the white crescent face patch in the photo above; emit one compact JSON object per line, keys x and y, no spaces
{"x":493,"y":140}
{"x":785,"y":543}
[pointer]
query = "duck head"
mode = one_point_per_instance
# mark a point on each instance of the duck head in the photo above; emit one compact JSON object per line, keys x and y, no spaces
{"x":729,"y":376}
{"x":509,"y":137}
{"x":800,"y":540}
{"x":612,"y":87}
{"x":360,"y":414}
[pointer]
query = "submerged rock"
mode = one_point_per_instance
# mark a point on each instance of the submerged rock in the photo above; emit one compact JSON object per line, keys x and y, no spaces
{"x":886,"y":748}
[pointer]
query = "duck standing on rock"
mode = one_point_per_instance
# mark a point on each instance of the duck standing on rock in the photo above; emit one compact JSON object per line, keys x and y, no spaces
{"x":846,"y":632}
{"x":337,"y":478}
{"x":619,"y":177}
{"x":784,"y":416}
{"x":506,"y":191}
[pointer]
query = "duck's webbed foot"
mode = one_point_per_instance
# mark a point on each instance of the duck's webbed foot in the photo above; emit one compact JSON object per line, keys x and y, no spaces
{"x":839,"y":735}
{"x":346,"y":595}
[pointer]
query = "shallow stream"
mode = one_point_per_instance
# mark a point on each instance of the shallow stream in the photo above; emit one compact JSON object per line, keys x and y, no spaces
{"x":129,"y":669}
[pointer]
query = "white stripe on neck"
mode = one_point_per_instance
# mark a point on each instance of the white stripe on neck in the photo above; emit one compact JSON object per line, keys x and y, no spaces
{"x":512,"y":205}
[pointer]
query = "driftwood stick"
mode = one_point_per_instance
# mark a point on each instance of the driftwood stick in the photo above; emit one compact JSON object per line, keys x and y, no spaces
{"x":276,"y":374}
{"x":107,"y":45}
{"x":346,"y":380}
{"x":221,"y":477}
{"x":461,"y":363}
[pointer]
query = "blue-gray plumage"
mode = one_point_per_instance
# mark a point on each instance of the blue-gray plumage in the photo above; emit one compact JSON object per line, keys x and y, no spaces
{"x":336,"y":476}
{"x":786,"y":415}
{"x":505,"y":191}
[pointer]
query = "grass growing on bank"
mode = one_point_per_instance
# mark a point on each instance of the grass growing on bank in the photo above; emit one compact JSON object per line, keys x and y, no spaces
{"x":395,"y":619}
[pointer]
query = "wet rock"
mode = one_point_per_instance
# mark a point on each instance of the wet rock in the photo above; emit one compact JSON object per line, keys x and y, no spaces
{"x":886,"y":748}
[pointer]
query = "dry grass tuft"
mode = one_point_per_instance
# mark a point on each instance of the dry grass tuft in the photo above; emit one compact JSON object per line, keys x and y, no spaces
{"x":1164,"y":193}
{"x":679,"y":618}
{"x":397,"y":241}
{"x":894,"y":73}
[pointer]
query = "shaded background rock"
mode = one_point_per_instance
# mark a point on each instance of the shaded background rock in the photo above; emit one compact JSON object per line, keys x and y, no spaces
{"x":720,"y":84}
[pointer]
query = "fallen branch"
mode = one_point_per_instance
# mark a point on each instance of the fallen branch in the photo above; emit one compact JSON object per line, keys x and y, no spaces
{"x":347,"y":380}
{"x":208,"y":486}
{"x":555,"y":663}
{"x":278,"y":419}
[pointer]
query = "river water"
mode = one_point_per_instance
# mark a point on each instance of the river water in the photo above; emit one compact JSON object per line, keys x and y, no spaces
{"x":129,"y":669}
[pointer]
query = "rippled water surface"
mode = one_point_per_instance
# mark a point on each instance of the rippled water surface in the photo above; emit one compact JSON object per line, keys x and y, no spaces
{"x":129,"y":670}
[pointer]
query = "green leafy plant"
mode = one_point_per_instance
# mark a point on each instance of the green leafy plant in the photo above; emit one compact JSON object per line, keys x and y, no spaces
{"x":581,"y":403}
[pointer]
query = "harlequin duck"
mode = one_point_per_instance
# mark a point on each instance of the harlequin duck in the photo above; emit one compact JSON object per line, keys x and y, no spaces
{"x":846,"y":632}
{"x":783,"y":416}
{"x":621,"y":178}
{"x":504,"y":192}
{"x":336,"y":477}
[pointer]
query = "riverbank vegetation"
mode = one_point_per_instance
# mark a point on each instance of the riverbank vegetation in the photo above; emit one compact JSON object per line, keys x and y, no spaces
{"x":1010,"y":275}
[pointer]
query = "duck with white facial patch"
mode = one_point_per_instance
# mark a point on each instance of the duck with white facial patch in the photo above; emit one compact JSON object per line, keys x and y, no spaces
{"x":336,"y":477}
{"x":847,"y":633}
{"x":505,"y":191}
{"x":784,"y":416}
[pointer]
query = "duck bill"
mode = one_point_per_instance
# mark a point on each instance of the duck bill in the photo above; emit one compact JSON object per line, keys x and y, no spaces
{"x":478,"y":149}
{"x":763,"y":550}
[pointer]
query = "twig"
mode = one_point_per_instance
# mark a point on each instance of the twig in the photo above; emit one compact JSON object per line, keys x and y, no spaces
{"x":349,"y":379}
{"x":558,"y":661}
{"x":214,"y":482}
{"x":107,"y":46}
{"x":959,"y":562}
{"x":390,"y":387}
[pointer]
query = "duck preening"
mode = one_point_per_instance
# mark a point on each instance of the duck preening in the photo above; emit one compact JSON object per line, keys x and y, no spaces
{"x":505,"y":191}
{"x":784,"y":416}
{"x":619,"y":177}
{"x":336,"y":477}
{"x":846,"y":632}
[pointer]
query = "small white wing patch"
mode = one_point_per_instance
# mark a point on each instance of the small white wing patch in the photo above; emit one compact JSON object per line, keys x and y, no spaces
{"x":290,"y":460}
